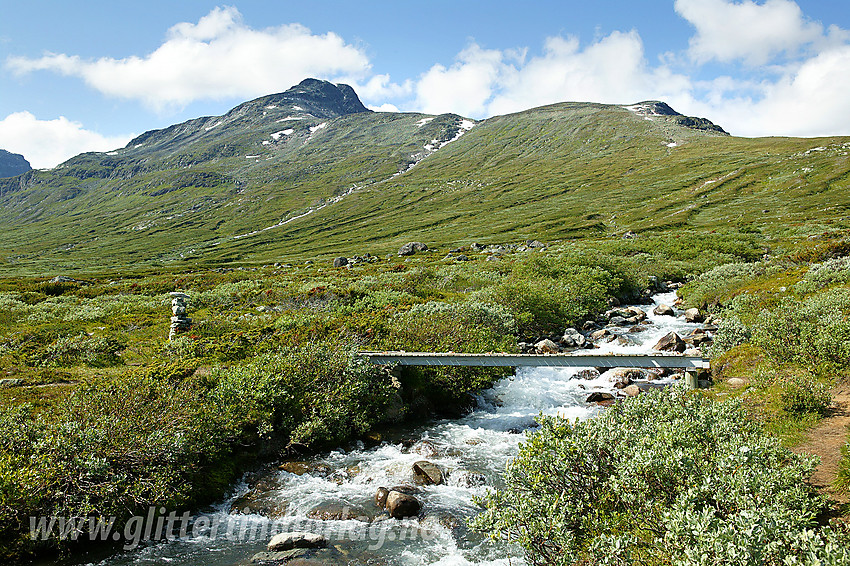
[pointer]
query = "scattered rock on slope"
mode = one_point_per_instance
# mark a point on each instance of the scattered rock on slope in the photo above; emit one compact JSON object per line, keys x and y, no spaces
{"x":411,"y":248}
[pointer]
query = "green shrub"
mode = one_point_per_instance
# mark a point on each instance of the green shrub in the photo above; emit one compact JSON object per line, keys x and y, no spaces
{"x":820,"y":275}
{"x":318,"y":394}
{"x":113,"y":449}
{"x":663,"y":478}
{"x":96,"y":351}
{"x":547,"y":294}
{"x":800,"y":396}
{"x":814,"y":332}
{"x":843,"y":479}
{"x":715,"y":285}
{"x":731,"y":332}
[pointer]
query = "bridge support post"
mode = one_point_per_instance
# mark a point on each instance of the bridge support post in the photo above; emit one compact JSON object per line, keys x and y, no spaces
{"x":691,"y":380}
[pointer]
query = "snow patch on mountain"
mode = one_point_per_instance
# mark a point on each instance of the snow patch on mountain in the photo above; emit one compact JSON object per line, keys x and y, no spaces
{"x":276,"y":136}
{"x":465,"y":126}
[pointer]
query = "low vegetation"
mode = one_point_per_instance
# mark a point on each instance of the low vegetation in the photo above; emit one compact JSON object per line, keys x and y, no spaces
{"x":109,"y":417}
{"x":665,"y":478}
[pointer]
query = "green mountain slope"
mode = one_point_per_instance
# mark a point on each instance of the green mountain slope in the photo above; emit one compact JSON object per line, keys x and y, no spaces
{"x":312,"y":173}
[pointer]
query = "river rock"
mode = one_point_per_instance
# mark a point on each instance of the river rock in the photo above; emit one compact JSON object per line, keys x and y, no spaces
{"x":428,"y":472}
{"x":672,"y":342}
{"x":599,"y":397}
{"x":618,"y":321}
{"x":340,"y":261}
{"x":572,"y":338}
{"x":296,"y":539}
{"x":600,"y":334}
{"x":258,"y":502}
{"x":699,"y":336}
{"x":381,"y":497}
{"x":336,"y":511}
{"x":401,"y":505}
{"x":546,"y":346}
{"x":587,"y":373}
{"x":664,"y":310}
{"x":632,"y":391}
{"x":693,"y":315}
{"x":468,"y":479}
{"x":411,"y":248}
{"x":299,"y":468}
{"x":736,"y":382}
{"x":279,"y":557}
{"x":621,"y":377}
{"x":425,"y":448}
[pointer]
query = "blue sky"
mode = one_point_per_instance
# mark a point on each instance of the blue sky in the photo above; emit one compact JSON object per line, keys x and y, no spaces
{"x":87,"y":76}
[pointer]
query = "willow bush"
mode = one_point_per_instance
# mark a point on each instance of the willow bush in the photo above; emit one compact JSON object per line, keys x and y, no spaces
{"x":667,"y":477}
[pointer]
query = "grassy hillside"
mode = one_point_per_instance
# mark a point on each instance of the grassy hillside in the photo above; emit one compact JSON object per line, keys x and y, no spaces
{"x":622,"y":197}
{"x":216,"y":190}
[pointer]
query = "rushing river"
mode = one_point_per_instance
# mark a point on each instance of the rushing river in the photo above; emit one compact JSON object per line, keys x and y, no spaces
{"x":473,"y":450}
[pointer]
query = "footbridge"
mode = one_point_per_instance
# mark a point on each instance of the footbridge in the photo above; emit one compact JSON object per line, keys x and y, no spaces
{"x":690,"y":364}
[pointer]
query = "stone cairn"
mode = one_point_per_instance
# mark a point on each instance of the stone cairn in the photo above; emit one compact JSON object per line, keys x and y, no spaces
{"x":179,"y":322}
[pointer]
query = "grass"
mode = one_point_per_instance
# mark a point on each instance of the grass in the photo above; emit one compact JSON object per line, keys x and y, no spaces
{"x":743,"y":221}
{"x":562,"y":172}
{"x":267,"y":364}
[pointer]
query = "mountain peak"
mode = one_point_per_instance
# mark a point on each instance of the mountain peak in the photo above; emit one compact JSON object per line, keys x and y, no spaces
{"x":322,"y":99}
{"x":310,"y":100}
{"x":655,"y":108}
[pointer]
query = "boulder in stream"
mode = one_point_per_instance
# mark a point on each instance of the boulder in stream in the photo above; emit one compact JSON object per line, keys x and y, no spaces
{"x":671,"y":342}
{"x":279,"y":557}
{"x":428,"y":472}
{"x":402,"y":505}
{"x":546,"y":346}
{"x":664,"y":310}
{"x":572,"y":338}
{"x":587,"y":373}
{"x":632,"y":391}
{"x":381,"y":497}
{"x":693,"y":315}
{"x":296,"y":539}
{"x":599,"y":397}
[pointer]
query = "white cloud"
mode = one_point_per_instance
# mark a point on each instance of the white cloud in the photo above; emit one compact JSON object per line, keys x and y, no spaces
{"x":385,"y":107}
{"x":807,"y":101}
{"x":217,"y":57}
{"x":47,"y":143}
{"x":380,"y":87}
{"x":485,"y":82}
{"x":754,"y":33}
{"x":464,"y":88}
{"x":611,"y":70}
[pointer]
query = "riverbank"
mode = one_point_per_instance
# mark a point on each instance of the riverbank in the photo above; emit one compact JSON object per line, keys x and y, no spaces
{"x":266,"y":365}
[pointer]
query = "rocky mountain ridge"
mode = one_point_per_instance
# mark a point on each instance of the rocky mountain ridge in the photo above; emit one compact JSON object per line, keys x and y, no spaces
{"x":12,"y":164}
{"x":312,"y":172}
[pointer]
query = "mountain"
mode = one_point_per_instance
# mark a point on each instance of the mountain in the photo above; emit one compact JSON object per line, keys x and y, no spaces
{"x":312,"y":173}
{"x":12,"y":164}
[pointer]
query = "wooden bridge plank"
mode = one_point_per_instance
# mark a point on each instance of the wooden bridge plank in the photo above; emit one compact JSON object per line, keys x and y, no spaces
{"x":537,"y":360}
